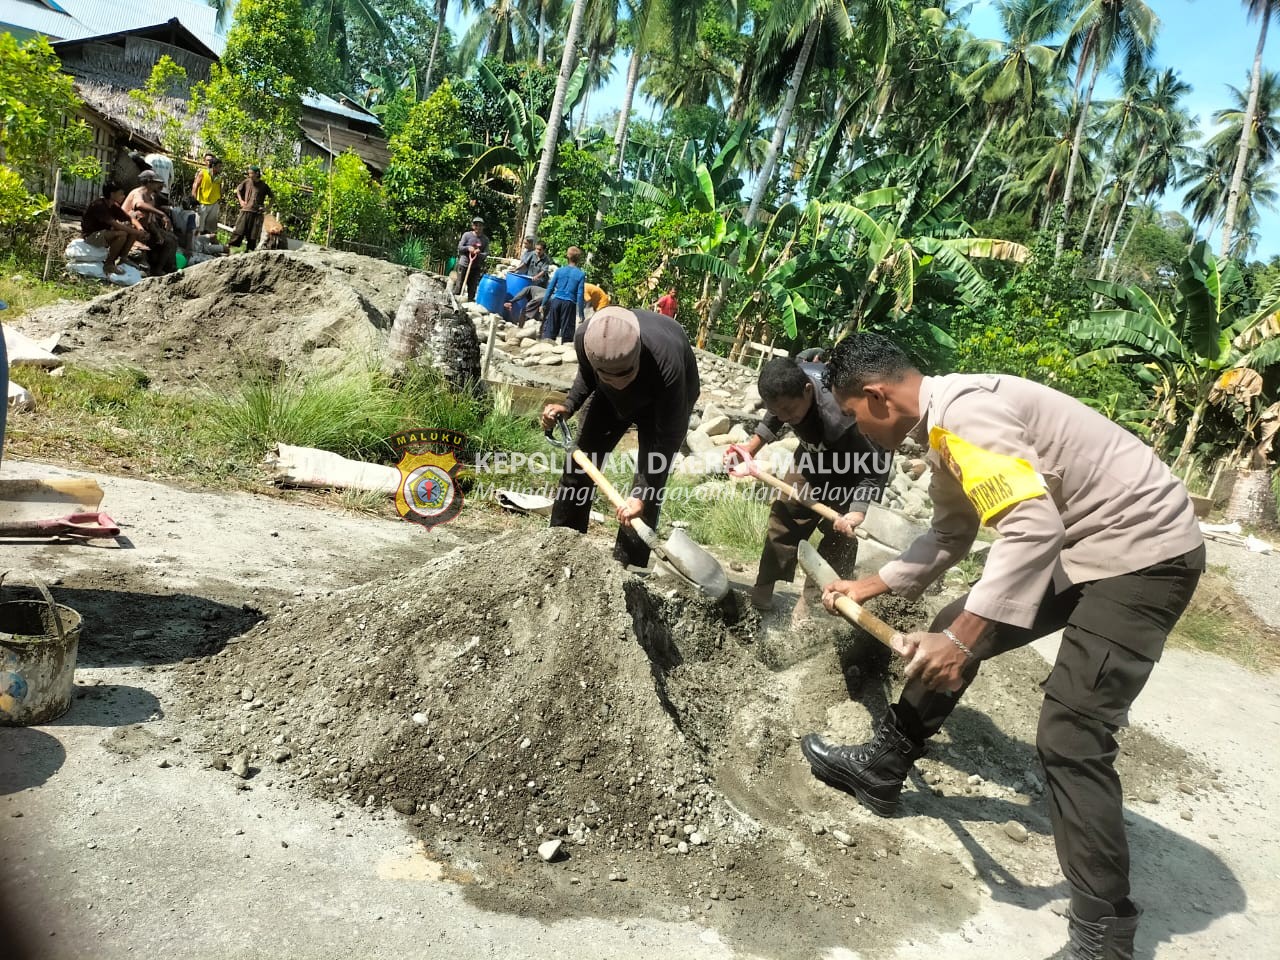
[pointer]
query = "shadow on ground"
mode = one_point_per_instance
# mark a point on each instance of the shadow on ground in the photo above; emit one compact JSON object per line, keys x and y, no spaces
{"x":124,"y":627}
{"x":28,"y":757}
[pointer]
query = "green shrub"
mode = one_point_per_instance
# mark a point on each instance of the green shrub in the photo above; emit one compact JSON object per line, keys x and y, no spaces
{"x":19,"y":210}
{"x":422,"y":182}
{"x":352,"y":208}
{"x":297,"y":193}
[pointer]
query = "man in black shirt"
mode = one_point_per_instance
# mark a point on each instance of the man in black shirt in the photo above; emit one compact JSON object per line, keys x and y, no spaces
{"x":106,"y":225}
{"x":636,"y":368}
{"x":834,"y":464}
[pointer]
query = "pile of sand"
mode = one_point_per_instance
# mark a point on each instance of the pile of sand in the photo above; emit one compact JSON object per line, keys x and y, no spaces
{"x":527,"y":689}
{"x":213,"y":322}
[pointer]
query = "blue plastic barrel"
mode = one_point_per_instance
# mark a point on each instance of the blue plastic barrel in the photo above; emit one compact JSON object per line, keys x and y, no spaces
{"x":492,"y":293}
{"x":517,"y":282}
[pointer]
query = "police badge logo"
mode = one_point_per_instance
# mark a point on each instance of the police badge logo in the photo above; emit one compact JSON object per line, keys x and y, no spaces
{"x":429,"y":493}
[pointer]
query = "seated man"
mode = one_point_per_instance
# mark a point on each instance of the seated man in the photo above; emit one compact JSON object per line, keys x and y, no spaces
{"x":141,"y":208}
{"x":106,"y":225}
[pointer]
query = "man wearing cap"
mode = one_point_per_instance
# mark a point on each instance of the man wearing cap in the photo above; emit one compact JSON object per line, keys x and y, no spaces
{"x":143,"y":210}
{"x":253,"y":194}
{"x":635,"y":368}
{"x":473,"y":250}
{"x":207,"y":193}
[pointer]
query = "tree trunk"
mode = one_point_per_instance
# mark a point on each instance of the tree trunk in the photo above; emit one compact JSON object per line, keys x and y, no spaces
{"x":775,"y":150}
{"x":982,"y":142}
{"x":1008,"y":172}
{"x":704,"y":325}
{"x":1193,"y":428}
{"x":1246,"y":134}
{"x":1133,"y":227}
{"x":538,"y":198}
{"x":742,"y":90}
{"x":624,"y":114}
{"x":783,"y":122}
{"x":1074,"y":164}
{"x":1124,"y":205}
{"x":1093,"y":208}
{"x":442,"y":11}
{"x":542,"y":32}
{"x":1253,"y":500}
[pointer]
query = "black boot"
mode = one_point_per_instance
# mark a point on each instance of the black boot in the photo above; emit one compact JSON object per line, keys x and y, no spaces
{"x":1110,"y":938}
{"x":873,"y":772}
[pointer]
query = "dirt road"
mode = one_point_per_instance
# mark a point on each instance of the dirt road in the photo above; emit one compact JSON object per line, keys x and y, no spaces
{"x":120,"y":839}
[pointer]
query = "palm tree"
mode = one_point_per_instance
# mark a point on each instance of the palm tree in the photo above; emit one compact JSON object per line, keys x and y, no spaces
{"x":1103,"y":29}
{"x":799,"y":22}
{"x":1264,"y":10}
{"x":568,"y":61}
{"x":1156,"y":119}
{"x":442,"y":12}
{"x":639,"y":33}
{"x":1013,"y":76}
{"x":501,"y":30}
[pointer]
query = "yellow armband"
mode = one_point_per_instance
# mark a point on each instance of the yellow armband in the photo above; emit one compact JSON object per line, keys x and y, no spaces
{"x":992,"y":482}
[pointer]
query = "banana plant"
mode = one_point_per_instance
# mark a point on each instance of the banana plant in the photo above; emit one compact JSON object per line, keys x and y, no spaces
{"x":509,"y":167}
{"x":1186,"y":347}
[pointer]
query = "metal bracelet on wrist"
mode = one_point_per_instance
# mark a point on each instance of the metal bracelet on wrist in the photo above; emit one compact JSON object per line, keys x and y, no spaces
{"x":946,"y":631}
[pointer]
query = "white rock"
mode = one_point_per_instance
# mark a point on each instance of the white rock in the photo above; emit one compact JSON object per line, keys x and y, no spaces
{"x":550,"y":360}
{"x":842,"y":838}
{"x":551,"y":850}
{"x":699,"y":442}
{"x":714,"y":422}
{"x":739,"y":434}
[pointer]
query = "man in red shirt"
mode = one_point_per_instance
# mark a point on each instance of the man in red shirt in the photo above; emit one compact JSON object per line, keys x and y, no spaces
{"x":667,"y":305}
{"x":105,"y":224}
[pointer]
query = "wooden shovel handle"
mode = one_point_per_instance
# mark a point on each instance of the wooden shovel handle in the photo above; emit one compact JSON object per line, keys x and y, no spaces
{"x":821,"y":509}
{"x":855,"y":614}
{"x":590,"y":469}
{"x":641,"y":528}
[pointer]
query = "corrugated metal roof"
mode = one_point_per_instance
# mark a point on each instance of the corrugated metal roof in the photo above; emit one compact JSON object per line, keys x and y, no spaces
{"x":89,"y":18}
{"x":326,"y":104}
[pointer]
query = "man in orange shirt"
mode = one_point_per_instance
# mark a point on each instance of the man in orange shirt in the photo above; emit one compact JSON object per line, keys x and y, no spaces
{"x":595,"y":296}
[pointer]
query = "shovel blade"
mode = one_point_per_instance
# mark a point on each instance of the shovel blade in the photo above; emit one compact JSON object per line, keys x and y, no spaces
{"x":696,"y":564}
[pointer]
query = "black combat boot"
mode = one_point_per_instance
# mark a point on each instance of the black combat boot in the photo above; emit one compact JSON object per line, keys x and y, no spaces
{"x":1110,"y":938}
{"x":873,"y":772}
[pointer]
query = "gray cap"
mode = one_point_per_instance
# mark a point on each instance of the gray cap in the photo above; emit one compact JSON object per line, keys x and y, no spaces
{"x":612,"y":344}
{"x":479,"y":220}
{"x":150,"y":176}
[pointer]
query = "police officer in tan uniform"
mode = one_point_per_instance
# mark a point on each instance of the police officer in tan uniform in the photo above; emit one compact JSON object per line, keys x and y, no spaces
{"x":1097,"y":538}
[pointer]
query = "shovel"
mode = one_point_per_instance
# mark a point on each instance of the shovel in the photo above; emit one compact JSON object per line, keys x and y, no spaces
{"x":88,"y":525}
{"x":684,"y":556}
{"x":822,"y":574}
{"x":748,"y":467}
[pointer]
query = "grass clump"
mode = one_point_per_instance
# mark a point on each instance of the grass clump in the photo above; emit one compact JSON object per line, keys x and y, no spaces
{"x":729,"y":518}
{"x":23,"y":290}
{"x":354,"y":414}
{"x":1220,"y":621}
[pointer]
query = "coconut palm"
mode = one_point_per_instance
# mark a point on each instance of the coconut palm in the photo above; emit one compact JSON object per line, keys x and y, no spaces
{"x":1012,"y":78}
{"x":1103,"y":30}
{"x":551,"y":136}
{"x":1155,"y":118}
{"x":1264,"y":10}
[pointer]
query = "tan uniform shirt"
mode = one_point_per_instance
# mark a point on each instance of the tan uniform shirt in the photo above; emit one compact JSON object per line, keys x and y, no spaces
{"x":1074,"y":497}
